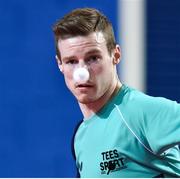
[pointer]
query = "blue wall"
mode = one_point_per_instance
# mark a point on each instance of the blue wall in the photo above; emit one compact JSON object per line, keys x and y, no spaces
{"x":37,"y":112}
{"x":163,"y":48}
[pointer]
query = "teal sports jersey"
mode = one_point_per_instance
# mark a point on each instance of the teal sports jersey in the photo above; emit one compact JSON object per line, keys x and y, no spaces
{"x":133,"y":135}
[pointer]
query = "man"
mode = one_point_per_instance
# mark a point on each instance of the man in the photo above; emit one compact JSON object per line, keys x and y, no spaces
{"x":125,"y":133}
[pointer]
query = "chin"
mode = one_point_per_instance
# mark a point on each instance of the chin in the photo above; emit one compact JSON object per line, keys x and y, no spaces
{"x":84,"y":100}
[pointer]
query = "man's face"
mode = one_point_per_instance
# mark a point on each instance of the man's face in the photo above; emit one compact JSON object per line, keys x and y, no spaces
{"x":91,"y":53}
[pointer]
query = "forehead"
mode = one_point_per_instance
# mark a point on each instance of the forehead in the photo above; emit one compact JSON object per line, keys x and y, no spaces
{"x":82,"y":44}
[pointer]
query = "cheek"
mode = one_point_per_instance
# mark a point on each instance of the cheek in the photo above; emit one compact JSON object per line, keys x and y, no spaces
{"x":68,"y":76}
{"x":102,"y":71}
{"x":103,"y":76}
{"x":97,"y":70}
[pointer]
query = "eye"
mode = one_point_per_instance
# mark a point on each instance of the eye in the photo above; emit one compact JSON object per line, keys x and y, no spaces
{"x":92,"y":59}
{"x":71,"y":62}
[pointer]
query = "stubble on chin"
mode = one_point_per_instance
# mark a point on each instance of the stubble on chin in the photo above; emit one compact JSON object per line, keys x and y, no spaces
{"x":84,"y":100}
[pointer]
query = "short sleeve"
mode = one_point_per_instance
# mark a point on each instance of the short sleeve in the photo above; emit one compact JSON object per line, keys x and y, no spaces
{"x":162,"y":124}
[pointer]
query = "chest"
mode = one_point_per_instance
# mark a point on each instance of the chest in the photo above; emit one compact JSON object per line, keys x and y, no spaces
{"x":106,"y":148}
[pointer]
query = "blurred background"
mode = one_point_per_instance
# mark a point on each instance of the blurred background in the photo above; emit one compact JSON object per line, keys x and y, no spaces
{"x":38,"y":115}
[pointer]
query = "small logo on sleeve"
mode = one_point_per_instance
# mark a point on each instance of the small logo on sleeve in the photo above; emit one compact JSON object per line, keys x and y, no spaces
{"x":80,"y":166}
{"x":111,"y":162}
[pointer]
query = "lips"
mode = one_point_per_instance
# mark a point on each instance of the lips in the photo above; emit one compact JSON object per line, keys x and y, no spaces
{"x":84,"y":85}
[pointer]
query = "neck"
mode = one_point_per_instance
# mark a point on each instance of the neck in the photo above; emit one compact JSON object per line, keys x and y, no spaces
{"x":91,"y":108}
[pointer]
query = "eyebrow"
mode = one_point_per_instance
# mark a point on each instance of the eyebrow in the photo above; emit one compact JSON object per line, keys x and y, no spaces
{"x":67,"y":58}
{"x":87,"y":54}
{"x":92,"y":52}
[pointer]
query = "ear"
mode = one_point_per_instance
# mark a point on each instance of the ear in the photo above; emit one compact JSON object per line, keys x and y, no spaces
{"x":59,"y":64}
{"x":117,"y":55}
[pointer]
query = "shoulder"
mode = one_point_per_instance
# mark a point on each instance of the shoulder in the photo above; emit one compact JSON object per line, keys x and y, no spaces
{"x":147,"y":102}
{"x":143,"y":110}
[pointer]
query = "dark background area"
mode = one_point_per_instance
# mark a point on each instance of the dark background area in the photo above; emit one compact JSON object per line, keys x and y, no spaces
{"x":163,"y":48}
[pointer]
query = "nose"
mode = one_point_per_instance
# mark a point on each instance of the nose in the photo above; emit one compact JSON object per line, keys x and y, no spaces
{"x":82,"y":64}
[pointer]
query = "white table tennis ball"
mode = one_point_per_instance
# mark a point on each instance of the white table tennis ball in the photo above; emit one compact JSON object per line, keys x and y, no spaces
{"x":81,"y":75}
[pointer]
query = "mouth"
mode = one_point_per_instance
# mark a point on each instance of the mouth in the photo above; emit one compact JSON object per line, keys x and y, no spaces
{"x":84,"y":86}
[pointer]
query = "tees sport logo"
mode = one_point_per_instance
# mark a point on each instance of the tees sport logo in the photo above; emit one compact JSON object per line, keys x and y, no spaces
{"x":111,"y":162}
